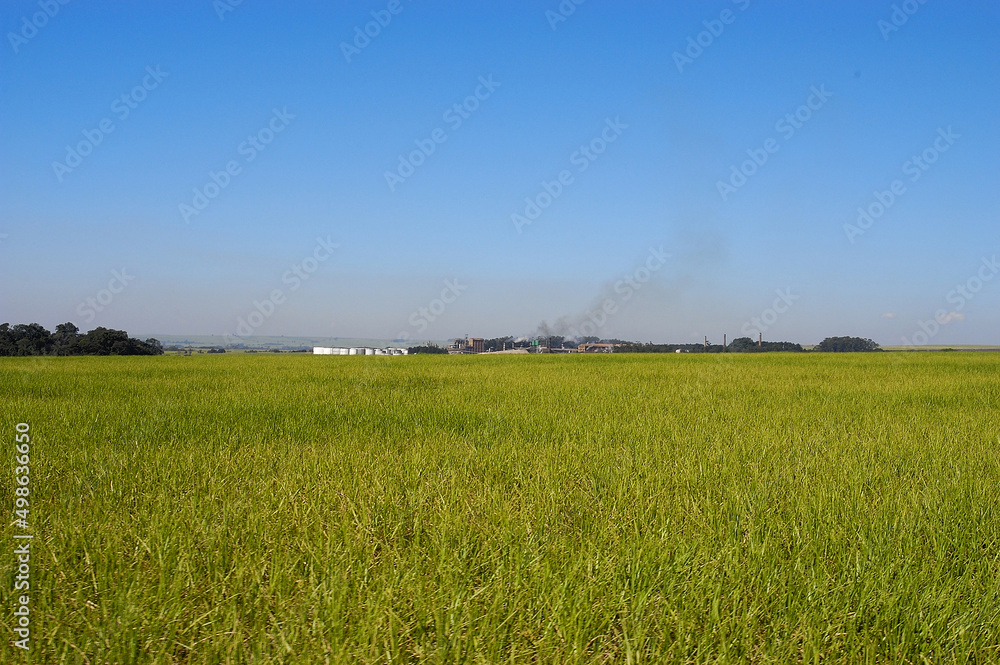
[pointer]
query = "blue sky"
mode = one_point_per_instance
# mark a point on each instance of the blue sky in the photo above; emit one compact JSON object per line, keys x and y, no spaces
{"x":105,"y":238}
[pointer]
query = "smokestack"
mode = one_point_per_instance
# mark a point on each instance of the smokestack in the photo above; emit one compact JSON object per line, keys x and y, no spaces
{"x":760,"y":339}
{"x":724,"y":344}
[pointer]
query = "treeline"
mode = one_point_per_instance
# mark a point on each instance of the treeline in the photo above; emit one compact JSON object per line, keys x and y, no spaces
{"x":847,"y":344}
{"x":426,"y":348}
{"x":748,"y":345}
{"x":31,"y":339}
{"x":738,"y":345}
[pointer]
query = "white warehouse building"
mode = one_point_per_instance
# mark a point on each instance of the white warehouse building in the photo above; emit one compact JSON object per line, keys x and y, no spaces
{"x":357,"y":351}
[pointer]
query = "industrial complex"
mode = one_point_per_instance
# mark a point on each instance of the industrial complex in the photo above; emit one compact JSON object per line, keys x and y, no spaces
{"x":474,"y":345}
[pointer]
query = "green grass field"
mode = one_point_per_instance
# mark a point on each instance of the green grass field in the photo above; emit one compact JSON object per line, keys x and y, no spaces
{"x":571,"y":509}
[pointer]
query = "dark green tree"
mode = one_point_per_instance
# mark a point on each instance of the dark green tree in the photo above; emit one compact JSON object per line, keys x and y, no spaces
{"x":427,"y":348}
{"x":64,"y":339}
{"x":31,"y":339}
{"x":743,"y":345}
{"x":847,"y":345}
{"x":7,"y":345}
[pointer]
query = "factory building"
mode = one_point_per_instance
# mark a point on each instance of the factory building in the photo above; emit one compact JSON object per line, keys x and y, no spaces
{"x":467,"y":345}
{"x":596,"y":348}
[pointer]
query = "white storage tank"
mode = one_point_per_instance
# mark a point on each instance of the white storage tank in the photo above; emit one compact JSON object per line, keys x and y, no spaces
{"x":352,"y":352}
{"x":369,"y":351}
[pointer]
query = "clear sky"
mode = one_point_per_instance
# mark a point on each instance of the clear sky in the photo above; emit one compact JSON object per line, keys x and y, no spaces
{"x":662,"y":170}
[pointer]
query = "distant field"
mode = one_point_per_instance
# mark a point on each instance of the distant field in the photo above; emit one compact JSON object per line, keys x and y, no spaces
{"x":959,"y":347}
{"x":278,"y":342}
{"x":290,"y":508}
